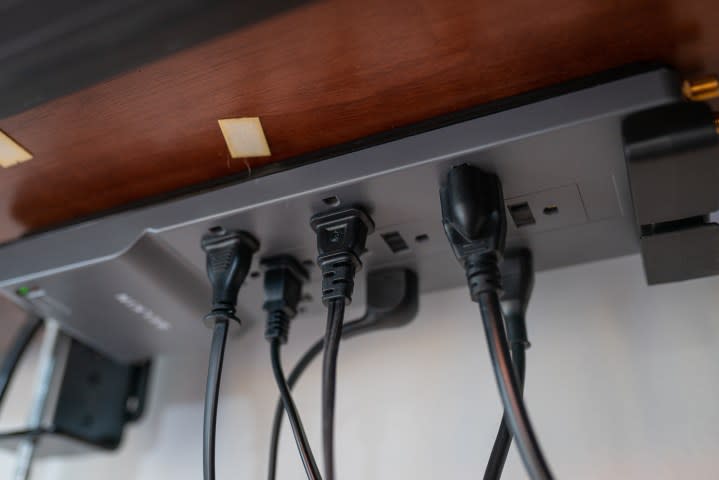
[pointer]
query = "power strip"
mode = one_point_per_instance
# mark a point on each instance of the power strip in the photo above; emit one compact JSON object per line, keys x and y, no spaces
{"x":133,"y":284}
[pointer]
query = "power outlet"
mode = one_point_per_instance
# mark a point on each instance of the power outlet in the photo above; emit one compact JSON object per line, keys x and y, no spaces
{"x":552,"y":209}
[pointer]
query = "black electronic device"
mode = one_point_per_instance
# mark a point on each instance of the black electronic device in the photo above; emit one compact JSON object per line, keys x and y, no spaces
{"x":673,"y":163}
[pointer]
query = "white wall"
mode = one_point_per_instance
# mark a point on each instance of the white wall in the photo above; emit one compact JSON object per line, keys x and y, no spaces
{"x":622,"y":382}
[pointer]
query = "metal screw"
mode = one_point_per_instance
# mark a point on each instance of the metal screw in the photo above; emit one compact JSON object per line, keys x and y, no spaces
{"x":702,"y":88}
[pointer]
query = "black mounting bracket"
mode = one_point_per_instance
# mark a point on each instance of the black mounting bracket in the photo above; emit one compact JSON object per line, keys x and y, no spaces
{"x":672,"y":156}
{"x":95,"y":398}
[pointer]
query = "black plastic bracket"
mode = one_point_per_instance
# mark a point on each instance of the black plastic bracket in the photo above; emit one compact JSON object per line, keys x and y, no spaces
{"x":96,"y":398}
{"x":672,"y":156}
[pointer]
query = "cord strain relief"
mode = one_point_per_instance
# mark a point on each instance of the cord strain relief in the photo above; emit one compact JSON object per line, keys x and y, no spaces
{"x":338,"y":273}
{"x":277,"y":327}
{"x":483,"y":274}
{"x":219,"y":314}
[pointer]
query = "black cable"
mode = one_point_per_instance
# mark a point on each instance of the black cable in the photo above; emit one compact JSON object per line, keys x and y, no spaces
{"x":228,"y":257}
{"x":212,"y":390}
{"x":392,"y":302}
{"x":517,"y":272}
{"x":341,"y":239}
{"x":502,"y":442}
{"x":9,"y":364}
{"x":509,"y":387}
{"x":351,"y":328}
{"x":335,"y":316}
{"x":284,"y":277}
{"x":303,"y":444}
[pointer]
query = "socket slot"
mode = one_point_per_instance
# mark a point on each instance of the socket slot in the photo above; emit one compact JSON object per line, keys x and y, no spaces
{"x":547,"y":210}
{"x":395,"y":242}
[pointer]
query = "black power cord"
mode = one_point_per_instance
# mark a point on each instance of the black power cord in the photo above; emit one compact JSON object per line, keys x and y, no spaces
{"x":335,"y":317}
{"x":502,"y":442}
{"x":229,"y":255}
{"x":17,"y":348}
{"x":392,"y":302}
{"x":284,"y":277}
{"x":308,"y":459}
{"x":509,"y":387}
{"x":212,"y":392}
{"x":341,"y":237}
{"x":518,"y":280}
{"x":474,"y":219}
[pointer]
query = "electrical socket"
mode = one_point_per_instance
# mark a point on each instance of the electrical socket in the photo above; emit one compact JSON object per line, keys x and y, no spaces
{"x":546,"y":210}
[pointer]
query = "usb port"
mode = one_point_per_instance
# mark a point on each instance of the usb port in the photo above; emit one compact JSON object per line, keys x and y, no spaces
{"x":521,"y":214}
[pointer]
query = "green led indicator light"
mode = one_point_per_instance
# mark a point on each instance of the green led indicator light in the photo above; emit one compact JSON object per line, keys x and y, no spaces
{"x":22,"y":291}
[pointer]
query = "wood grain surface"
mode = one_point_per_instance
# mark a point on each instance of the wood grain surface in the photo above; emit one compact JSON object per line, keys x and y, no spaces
{"x":320,"y":75}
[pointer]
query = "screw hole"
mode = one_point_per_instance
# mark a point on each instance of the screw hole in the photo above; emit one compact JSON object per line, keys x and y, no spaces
{"x":551,"y":210}
{"x":332,"y":201}
{"x":254,"y":274}
{"x":421,"y":238}
{"x":308,"y":263}
{"x":217,"y":230}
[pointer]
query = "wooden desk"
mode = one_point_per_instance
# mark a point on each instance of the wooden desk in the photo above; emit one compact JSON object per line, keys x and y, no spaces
{"x":319,"y":75}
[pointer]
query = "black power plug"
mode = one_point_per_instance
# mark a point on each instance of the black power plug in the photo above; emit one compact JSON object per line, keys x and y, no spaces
{"x":474,"y":219}
{"x":475,"y":222}
{"x":518,"y":282}
{"x":229,"y":256}
{"x":392,"y":301}
{"x":284,"y":277}
{"x":341,"y":237}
